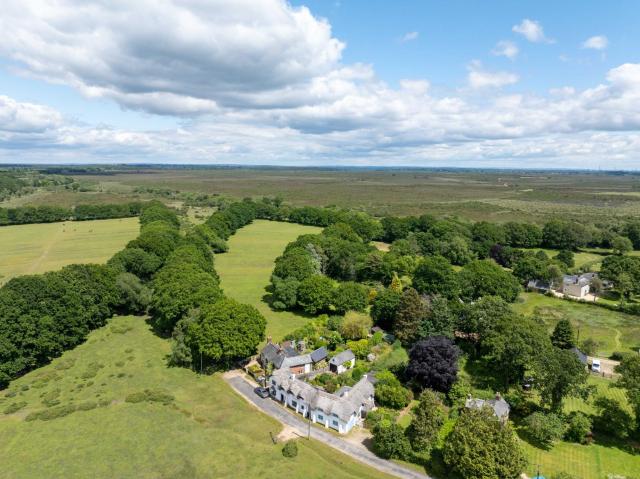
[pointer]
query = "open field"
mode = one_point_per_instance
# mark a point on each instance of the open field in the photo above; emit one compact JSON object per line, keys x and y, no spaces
{"x":245,"y":270}
{"x":207,"y":432}
{"x":614,"y":331}
{"x":473,"y":194}
{"x":36,"y":248}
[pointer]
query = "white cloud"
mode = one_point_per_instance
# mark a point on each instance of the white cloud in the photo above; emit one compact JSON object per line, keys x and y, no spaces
{"x":409,"y":36}
{"x":506,"y":48}
{"x":171,"y":57}
{"x":599,"y":42}
{"x":26,"y":117}
{"x":480,"y":78}
{"x":265,"y":85}
{"x":532,"y":31}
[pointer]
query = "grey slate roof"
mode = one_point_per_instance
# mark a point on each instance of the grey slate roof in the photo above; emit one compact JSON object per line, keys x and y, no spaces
{"x":581,"y":356}
{"x":538,"y":284}
{"x":296,"y":361}
{"x":342,"y":357}
{"x":319,"y":354}
{"x":344,"y":406}
{"x":275,"y":354}
{"x":500,"y":407}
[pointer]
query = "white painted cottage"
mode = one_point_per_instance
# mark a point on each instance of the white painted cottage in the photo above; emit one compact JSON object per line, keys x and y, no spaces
{"x":342,"y":362}
{"x":340,"y":411}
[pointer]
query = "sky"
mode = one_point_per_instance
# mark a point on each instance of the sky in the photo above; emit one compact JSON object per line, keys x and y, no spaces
{"x":503,"y":84}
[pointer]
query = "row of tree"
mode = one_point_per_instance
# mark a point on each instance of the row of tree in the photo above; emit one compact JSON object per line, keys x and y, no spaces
{"x":49,"y":214}
{"x":43,"y":315}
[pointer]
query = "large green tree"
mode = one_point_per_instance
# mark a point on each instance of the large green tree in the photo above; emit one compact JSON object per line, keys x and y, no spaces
{"x":563,"y":336}
{"x":225,"y":331}
{"x":481,"y":447}
{"x":428,"y":419}
{"x":411,"y":312}
{"x":435,"y":275}
{"x":486,"y":278}
{"x":629,"y":370}
{"x":315,"y":294}
{"x":561,"y":375}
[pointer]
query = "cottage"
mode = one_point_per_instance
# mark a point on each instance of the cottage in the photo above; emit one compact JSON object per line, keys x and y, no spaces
{"x":499,"y":406}
{"x":286,"y":356}
{"x":340,"y":411}
{"x":341,"y":362}
{"x":539,"y":285}
{"x":577,"y":286}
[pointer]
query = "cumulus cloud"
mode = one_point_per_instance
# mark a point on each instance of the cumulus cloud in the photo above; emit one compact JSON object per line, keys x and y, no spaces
{"x":171,"y":57}
{"x":266,"y":84}
{"x":599,"y":42}
{"x":506,"y":48}
{"x":26,"y":118}
{"x":409,"y":36}
{"x":480,"y":78}
{"x":532,"y":31}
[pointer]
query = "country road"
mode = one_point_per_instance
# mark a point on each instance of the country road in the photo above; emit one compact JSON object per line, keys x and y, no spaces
{"x":358,"y":452}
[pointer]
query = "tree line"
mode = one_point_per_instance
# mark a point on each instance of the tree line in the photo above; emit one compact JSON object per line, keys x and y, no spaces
{"x":162,"y":271}
{"x":50,"y":214}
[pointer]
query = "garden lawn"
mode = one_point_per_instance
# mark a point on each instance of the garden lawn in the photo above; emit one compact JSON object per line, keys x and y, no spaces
{"x":614,"y":331}
{"x":590,"y":258}
{"x":207,"y":432}
{"x":36,"y":248}
{"x":245,"y":270}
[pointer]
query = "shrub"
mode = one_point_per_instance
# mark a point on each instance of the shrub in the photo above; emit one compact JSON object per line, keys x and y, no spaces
{"x":150,"y":395}
{"x":544,"y":428}
{"x":379,"y":415}
{"x":91,"y":371}
{"x":290,"y":449}
{"x":52,"y":413}
{"x":14,"y":407}
{"x":393,"y":396}
{"x":578,"y":427}
{"x":87,"y":406}
{"x":390,"y":441}
{"x":612,"y":419}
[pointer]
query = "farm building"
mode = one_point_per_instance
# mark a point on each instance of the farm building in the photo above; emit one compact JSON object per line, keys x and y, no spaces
{"x":342,"y":362}
{"x":499,"y":406}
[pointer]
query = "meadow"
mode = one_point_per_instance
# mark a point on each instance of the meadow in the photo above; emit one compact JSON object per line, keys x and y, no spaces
{"x":36,"y":248}
{"x":246,"y":268}
{"x":614,"y":331}
{"x":205,"y":431}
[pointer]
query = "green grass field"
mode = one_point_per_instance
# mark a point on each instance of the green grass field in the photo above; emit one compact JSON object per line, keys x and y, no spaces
{"x":614,"y":331}
{"x":245,"y":270}
{"x":208,"y":432}
{"x":29,"y":249}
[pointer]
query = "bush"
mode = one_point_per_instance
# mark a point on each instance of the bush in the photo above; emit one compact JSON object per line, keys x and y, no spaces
{"x":544,"y":428}
{"x":612,"y":419}
{"x":390,"y":441}
{"x":290,"y":449}
{"x":150,"y":395}
{"x":14,"y":407}
{"x":52,"y":413}
{"x":393,"y":396}
{"x":578,"y":428}
{"x":379,"y":415}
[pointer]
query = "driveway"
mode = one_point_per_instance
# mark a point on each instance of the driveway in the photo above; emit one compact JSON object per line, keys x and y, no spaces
{"x":301,"y":426}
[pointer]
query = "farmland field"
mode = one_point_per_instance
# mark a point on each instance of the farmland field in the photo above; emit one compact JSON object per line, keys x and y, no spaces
{"x":36,"y":248}
{"x":613,"y":331}
{"x":246,"y":268}
{"x":207,"y":432}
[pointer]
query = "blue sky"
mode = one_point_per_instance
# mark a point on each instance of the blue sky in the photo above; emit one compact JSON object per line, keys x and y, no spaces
{"x":419,"y":83}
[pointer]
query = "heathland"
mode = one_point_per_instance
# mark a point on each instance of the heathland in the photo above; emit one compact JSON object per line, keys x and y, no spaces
{"x":476,"y":195}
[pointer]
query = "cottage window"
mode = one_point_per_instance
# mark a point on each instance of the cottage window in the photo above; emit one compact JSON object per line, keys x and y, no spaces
{"x":335,"y":423}
{"x":320,"y":417}
{"x":294,"y":404}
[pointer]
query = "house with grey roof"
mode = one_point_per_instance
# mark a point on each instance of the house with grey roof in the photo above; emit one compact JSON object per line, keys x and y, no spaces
{"x":499,"y":406}
{"x":342,"y":362}
{"x":286,"y":356}
{"x":340,"y":411}
{"x":577,"y":286}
